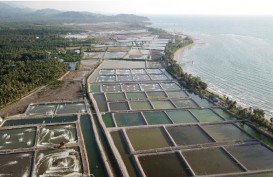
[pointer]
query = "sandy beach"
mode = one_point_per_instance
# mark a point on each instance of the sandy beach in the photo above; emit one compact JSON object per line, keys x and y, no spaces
{"x":177,"y":53}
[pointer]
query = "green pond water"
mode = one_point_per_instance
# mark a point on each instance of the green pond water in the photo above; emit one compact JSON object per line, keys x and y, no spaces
{"x":122,"y":148}
{"x":200,"y":101}
{"x":101,"y":102}
{"x":118,"y":106}
{"x":70,"y":108}
{"x":156,"y":118}
{"x":224,"y":114}
{"x":136,"y":95}
{"x":162,"y":104}
{"x":163,"y":165}
{"x":124,"y":78}
{"x":177,"y":94}
{"x":253,"y":157}
{"x":115,"y":96}
{"x":188,"y":135}
{"x":107,"y":119}
{"x":95,"y":88}
{"x":156,"y":95}
{"x":140,"y":105}
{"x":95,"y":162}
{"x":210,"y":162}
{"x":180,"y":116}
{"x":185,"y":104}
{"x":256,"y":134}
{"x":148,"y":138}
{"x":226,"y":132}
{"x":206,"y":115}
{"x":129,"y":119}
{"x":39,"y":121}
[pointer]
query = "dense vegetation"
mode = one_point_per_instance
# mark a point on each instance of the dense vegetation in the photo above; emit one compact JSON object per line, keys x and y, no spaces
{"x":195,"y":84}
{"x":30,"y":57}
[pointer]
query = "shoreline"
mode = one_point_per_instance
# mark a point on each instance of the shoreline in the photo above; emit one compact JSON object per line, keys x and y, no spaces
{"x":180,"y":50}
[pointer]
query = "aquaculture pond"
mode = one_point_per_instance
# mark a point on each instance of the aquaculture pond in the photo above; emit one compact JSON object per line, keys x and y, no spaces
{"x":163,"y":165}
{"x":130,"y":87}
{"x":95,"y":88}
{"x":17,"y":138}
{"x":55,"y":134}
{"x":118,"y":106}
{"x":16,"y":164}
{"x":70,"y":108}
{"x":177,"y":94}
{"x":185,"y":103}
{"x":156,"y":95}
{"x":188,"y":135}
{"x":200,"y":101}
{"x":122,"y":148}
{"x":108,"y":120}
{"x":224,"y":114}
{"x":115,"y":96}
{"x":206,"y":115}
{"x":58,"y":162}
{"x":96,"y":165}
{"x":129,"y":119}
{"x":30,"y":121}
{"x":226,"y":132}
{"x":181,"y":116}
{"x":140,"y":105}
{"x":170,"y":86}
{"x":210,"y":161}
{"x":253,"y":157}
{"x":41,"y":109}
{"x":162,"y":104}
{"x":136,"y":95}
{"x":148,"y":138}
{"x":156,"y":118}
{"x":111,"y":88}
{"x":101,"y":102}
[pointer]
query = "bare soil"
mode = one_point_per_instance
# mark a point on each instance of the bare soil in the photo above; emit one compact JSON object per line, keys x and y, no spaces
{"x":70,"y":90}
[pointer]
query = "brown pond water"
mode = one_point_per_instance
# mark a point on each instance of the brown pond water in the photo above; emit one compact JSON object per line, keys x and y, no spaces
{"x":148,"y":138}
{"x":210,"y":162}
{"x":163,"y":165}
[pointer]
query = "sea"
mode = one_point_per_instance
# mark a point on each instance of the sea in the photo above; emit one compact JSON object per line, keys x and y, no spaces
{"x":233,"y":54}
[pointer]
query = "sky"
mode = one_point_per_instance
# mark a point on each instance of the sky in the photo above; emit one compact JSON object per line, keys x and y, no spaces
{"x":197,"y":7}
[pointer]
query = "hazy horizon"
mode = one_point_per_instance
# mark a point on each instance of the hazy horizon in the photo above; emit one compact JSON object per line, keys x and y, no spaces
{"x":159,"y":7}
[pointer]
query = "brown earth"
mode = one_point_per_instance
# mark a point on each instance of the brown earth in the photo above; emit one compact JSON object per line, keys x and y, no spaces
{"x":70,"y":90}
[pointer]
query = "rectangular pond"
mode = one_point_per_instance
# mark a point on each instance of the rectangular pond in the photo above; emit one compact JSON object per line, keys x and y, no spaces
{"x":163,"y":165}
{"x":129,"y":119}
{"x":130,"y":87}
{"x":156,"y":118}
{"x":211,"y":162}
{"x":226,"y":132}
{"x":140,"y":105}
{"x":17,"y":164}
{"x":124,"y":78}
{"x":101,"y":102}
{"x":162,"y":104}
{"x":177,"y":94}
{"x":95,"y":88}
{"x":108,"y":120}
{"x":111,"y":88}
{"x":70,"y":108}
{"x":253,"y":157}
{"x":136,"y":95}
{"x":188,"y":135}
{"x":59,"y":162}
{"x":56,"y":134}
{"x":148,"y":138}
{"x":143,"y":77}
{"x":106,"y":78}
{"x":41,"y":109}
{"x":43,"y":120}
{"x":156,"y":95}
{"x":158,"y":77}
{"x":150,"y":87}
{"x":118,"y":106}
{"x":185,"y":104}
{"x":170,"y":86}
{"x":115,"y":97}
{"x":224,"y":114}
{"x":206,"y":115}
{"x":181,"y":116}
{"x":17,"y":138}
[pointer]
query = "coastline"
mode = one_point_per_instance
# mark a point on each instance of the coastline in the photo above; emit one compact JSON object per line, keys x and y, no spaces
{"x":180,"y":50}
